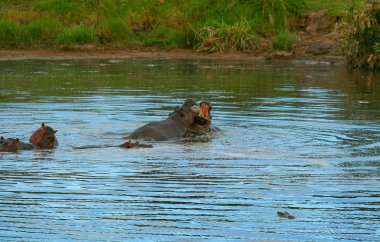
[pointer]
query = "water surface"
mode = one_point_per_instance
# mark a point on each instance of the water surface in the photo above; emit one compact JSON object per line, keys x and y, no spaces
{"x":297,"y":137}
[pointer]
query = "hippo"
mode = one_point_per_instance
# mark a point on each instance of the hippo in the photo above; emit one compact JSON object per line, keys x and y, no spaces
{"x":202,"y":122}
{"x":8,"y":145}
{"x":44,"y":137}
{"x":13,"y":145}
{"x":175,"y":126}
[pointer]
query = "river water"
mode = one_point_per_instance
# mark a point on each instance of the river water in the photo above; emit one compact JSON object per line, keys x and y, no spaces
{"x":300,"y":137}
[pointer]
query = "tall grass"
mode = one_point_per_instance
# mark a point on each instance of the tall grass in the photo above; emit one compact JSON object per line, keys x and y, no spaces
{"x":205,"y":25}
{"x":235,"y":24}
{"x":226,"y":37}
{"x":78,"y":35}
{"x":9,"y":34}
{"x":284,"y":40}
{"x":361,"y":36}
{"x":114,"y":31}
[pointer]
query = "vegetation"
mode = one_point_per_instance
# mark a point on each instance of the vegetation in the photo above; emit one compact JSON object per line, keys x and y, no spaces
{"x":361,"y":36}
{"x":204,"y":25}
{"x":236,"y":25}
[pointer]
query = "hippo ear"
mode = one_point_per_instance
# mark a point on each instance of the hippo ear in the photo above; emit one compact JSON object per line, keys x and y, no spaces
{"x":43,"y":125}
{"x":17,"y":140}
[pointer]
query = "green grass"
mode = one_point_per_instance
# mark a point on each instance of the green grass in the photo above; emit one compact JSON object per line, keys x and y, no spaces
{"x":336,"y":8}
{"x":10,"y":34}
{"x":284,"y":40}
{"x":78,"y":35}
{"x":206,"y":25}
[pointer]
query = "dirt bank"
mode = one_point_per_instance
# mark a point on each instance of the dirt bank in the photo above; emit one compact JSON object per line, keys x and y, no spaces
{"x":148,"y":53}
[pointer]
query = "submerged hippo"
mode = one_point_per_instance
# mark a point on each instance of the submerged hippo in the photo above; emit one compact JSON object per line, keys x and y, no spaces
{"x":8,"y":145}
{"x":202,"y":122}
{"x":175,"y":126}
{"x":44,"y":137}
{"x":13,"y":145}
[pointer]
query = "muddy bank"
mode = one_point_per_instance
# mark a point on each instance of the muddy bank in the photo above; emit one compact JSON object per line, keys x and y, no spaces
{"x":172,"y":53}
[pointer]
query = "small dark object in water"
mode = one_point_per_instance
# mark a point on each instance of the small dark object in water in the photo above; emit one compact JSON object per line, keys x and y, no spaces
{"x":285,"y":215}
{"x":131,"y":145}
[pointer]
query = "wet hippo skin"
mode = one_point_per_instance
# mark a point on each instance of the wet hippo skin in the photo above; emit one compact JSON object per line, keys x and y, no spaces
{"x":175,"y":126}
{"x":14,"y":145}
{"x":44,"y":137}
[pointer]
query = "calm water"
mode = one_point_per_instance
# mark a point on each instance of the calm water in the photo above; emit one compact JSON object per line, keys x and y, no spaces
{"x":295,"y":137}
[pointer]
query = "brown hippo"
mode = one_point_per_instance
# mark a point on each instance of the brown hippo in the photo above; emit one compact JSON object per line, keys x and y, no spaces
{"x":202,"y":122}
{"x":44,"y":137}
{"x":175,"y":126}
{"x":8,"y":145}
{"x":13,"y":145}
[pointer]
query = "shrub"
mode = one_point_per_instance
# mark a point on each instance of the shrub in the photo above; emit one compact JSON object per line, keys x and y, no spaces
{"x":361,"y":36}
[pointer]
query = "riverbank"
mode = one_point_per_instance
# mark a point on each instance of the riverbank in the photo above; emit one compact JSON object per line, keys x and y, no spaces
{"x":160,"y":53}
{"x":317,"y":40}
{"x":299,"y":31}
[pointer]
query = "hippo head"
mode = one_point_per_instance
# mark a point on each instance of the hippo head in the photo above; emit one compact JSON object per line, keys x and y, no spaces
{"x":44,"y":137}
{"x":9,"y":145}
{"x":186,"y":113}
{"x":202,"y":122}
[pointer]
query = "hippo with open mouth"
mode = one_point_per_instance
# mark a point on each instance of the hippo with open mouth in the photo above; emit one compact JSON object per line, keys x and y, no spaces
{"x":202,"y":122}
{"x":175,"y":126}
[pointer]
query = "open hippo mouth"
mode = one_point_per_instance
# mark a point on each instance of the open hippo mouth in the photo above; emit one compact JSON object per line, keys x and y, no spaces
{"x":202,"y":121}
{"x":204,"y":117}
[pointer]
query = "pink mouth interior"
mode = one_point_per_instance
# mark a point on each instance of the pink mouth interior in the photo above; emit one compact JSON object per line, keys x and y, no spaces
{"x":204,"y":111}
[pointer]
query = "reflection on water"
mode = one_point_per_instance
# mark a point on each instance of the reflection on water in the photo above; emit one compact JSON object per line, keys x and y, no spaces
{"x":294,"y":137}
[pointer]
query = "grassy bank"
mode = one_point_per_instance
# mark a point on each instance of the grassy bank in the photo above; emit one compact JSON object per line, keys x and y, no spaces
{"x":209,"y":25}
{"x":204,"y":25}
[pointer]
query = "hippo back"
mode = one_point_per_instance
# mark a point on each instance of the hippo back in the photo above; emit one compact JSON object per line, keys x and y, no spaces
{"x":174,"y":126}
